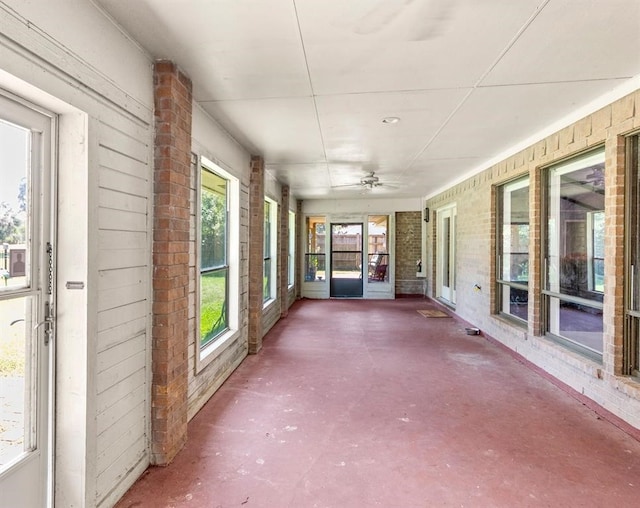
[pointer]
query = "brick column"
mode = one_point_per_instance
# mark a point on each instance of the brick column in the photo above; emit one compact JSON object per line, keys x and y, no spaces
{"x":172,"y":101}
{"x":256,"y":252}
{"x":535,"y":323}
{"x":283,"y":257}
{"x":408,"y":250}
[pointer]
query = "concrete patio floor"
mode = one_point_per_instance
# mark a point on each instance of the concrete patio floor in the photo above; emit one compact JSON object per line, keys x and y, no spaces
{"x":355,"y":403}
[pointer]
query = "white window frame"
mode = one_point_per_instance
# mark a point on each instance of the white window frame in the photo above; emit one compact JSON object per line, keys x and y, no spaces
{"x":208,"y":353}
{"x":273,"y":251}
{"x":291,"y":262}
{"x":591,"y":250}
{"x":503,"y":286}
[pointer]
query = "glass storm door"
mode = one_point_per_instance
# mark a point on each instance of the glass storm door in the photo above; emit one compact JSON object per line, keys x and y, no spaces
{"x":26,"y":291}
{"x":346,"y":260}
{"x":446,"y":254}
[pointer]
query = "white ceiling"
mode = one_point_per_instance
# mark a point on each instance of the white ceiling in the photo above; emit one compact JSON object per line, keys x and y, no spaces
{"x":306,"y":83}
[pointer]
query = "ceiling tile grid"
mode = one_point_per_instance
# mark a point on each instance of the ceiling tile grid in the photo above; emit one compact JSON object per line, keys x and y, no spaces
{"x":307,"y":83}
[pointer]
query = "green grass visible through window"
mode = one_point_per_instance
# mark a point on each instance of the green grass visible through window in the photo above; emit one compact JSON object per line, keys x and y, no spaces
{"x":213,"y":310}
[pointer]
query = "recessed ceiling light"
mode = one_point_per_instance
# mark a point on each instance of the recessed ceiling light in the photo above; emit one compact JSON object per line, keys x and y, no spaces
{"x":390,"y":119}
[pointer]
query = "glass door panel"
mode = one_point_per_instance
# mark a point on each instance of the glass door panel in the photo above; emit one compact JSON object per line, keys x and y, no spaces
{"x":26,"y":289}
{"x":446,"y":259}
{"x":346,"y":260}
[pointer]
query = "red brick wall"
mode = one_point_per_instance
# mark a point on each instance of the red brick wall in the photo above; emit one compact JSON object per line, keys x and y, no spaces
{"x":283,"y":257}
{"x":408,"y":251}
{"x":173,"y":101}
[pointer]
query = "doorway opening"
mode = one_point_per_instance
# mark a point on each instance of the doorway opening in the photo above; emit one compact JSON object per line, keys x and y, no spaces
{"x":346,"y":260}
{"x":26,"y":304}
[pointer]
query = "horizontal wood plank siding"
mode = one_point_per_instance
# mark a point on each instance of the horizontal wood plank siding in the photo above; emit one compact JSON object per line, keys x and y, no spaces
{"x":123,"y":264}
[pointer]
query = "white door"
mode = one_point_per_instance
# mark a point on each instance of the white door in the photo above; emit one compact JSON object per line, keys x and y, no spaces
{"x":446,"y":254}
{"x":26,"y":305}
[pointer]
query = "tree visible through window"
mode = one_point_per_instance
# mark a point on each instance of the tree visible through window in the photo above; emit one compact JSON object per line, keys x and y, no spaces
{"x":214,"y":269}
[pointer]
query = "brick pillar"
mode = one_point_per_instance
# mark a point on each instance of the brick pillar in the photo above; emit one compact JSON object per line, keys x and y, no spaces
{"x":172,"y":102}
{"x":408,"y":251}
{"x":256,"y":252}
{"x":283,"y":257}
{"x":536,"y":324}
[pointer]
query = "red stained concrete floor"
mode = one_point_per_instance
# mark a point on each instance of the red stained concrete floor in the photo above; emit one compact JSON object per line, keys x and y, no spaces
{"x":356,"y":403}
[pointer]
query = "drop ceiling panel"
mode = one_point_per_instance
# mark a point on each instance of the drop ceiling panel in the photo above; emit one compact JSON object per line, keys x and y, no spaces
{"x":575,"y":40}
{"x":353,"y":130}
{"x":429,"y":175}
{"x":281,"y":130}
{"x":363,"y":46}
{"x":307,"y":82}
{"x":299,"y":175}
{"x":496,"y":118}
{"x":305,"y":181}
{"x":231,"y":49}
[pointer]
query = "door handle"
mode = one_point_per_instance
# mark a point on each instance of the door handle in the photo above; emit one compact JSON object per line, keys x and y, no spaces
{"x":47,"y":322}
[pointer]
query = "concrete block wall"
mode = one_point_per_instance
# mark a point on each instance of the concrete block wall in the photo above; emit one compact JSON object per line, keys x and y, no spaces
{"x":475,"y":260}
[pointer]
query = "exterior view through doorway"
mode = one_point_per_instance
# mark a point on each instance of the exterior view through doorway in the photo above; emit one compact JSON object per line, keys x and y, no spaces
{"x":26,"y":305}
{"x":346,"y":260}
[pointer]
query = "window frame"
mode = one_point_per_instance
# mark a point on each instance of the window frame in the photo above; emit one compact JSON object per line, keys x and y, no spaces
{"x":631,"y":340}
{"x":206,"y":353}
{"x":315,"y":251}
{"x":591,"y":250}
{"x":270,"y":251}
{"x":291,"y":266}
{"x":549,"y":295}
{"x":500,"y":283}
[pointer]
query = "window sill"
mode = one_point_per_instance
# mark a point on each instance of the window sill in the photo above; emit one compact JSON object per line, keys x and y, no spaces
{"x":212,"y":351}
{"x":268,"y":303}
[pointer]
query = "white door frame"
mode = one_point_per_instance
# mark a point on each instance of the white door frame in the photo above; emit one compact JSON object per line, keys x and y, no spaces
{"x":27,"y":480}
{"x":446,"y":251}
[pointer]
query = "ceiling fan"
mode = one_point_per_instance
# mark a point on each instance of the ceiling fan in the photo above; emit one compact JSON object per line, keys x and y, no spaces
{"x":370,"y":181}
{"x":366,"y":184}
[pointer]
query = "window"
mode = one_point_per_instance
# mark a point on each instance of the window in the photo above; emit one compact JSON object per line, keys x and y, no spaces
{"x":292,"y":249}
{"x":270,"y":246}
{"x":214,"y":268}
{"x":632,"y":301}
{"x":595,"y":250}
{"x":512,"y":233}
{"x":573,"y":285}
{"x":377,"y":248}
{"x":314,"y":258}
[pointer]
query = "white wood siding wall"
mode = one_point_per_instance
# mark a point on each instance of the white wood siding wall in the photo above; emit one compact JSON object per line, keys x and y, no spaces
{"x":67,"y":56}
{"x":123,"y":263}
